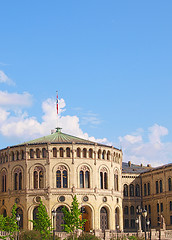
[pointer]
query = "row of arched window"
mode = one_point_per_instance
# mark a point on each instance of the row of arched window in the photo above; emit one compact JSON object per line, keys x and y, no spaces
{"x":131,"y":190}
{"x":61,"y":178}
{"x":63,"y":152}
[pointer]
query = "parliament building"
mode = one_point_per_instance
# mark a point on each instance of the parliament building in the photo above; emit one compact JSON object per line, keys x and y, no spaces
{"x":59,"y":166}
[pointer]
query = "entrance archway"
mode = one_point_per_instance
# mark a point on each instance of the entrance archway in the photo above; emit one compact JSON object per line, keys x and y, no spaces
{"x":86,"y":213}
{"x":19,"y":211}
{"x":59,"y":219}
{"x":103,"y":219}
{"x":116,"y":218}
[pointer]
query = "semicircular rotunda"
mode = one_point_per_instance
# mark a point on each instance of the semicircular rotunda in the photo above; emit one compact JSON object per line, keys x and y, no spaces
{"x":56,"y":167}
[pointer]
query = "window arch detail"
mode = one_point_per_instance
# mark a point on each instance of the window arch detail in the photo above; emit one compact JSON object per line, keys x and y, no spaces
{"x":38,"y":177}
{"x":84,"y":177}
{"x":103,"y":178}
{"x":61,"y":177}
{"x":17,"y":179}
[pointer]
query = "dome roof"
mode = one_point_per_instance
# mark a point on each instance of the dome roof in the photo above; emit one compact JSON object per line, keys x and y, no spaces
{"x":59,"y":137}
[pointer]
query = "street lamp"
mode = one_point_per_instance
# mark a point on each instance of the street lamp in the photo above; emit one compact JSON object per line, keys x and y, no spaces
{"x":144,"y":214}
{"x":54,"y":215}
{"x":117,"y":227}
{"x":18,"y":220}
{"x":139,"y":213}
{"x":148,"y":223}
{"x":137,"y":222}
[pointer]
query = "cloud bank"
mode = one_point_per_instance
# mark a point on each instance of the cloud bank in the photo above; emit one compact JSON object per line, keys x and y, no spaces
{"x":5,"y":79}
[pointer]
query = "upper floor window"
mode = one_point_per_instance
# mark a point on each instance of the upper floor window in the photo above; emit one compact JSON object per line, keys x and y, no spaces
{"x":67,"y":152}
{"x":145,"y":190}
{"x":38,"y":177}
{"x":84,"y":153}
{"x":103,"y":154}
{"x":12,"y":156}
{"x":170,"y":205}
{"x":160,"y":186}
{"x":99,"y":154}
{"x":90,"y":153}
{"x":38,"y":153}
{"x":157,"y":187}
{"x":126,"y":210}
{"x":61,"y":177}
{"x":17,"y":179}
{"x":161,"y":207}
{"x":31,"y":153}
{"x":84,"y":177}
{"x":78,"y":152}
{"x":137,"y":190}
{"x":116,"y":184}
{"x":44,"y":153}
{"x":61,"y":152}
{"x":54,"y":152}
{"x":103,"y":178}
{"x":157,"y":206}
{"x":148,"y":188}
{"x":125,"y":190}
{"x":132,"y":210}
{"x":108,"y":155}
{"x":169,"y":184}
{"x":4,"y":181}
{"x":149,"y":209}
{"x":22,"y":154}
{"x":17,"y":155}
{"x":131,"y":190}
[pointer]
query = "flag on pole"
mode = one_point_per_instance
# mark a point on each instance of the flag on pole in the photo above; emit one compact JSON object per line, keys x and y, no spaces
{"x":57,"y":104}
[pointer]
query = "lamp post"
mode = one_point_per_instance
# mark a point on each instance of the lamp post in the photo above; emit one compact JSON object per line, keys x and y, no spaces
{"x":54,"y":215}
{"x":139,"y":213}
{"x":148,"y":223}
{"x":144,"y":214}
{"x":117,"y":228}
{"x":18,"y":220}
{"x":137,"y":222}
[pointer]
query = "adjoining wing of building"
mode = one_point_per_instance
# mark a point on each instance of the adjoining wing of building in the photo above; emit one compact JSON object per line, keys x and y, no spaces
{"x":56,"y":167}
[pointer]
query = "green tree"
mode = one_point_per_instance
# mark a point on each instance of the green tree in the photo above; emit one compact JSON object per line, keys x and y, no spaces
{"x":42,"y":223}
{"x":72,"y":218}
{"x":9,"y":224}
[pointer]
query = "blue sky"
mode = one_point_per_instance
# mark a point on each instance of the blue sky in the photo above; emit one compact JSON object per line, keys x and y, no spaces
{"x":110,"y":62}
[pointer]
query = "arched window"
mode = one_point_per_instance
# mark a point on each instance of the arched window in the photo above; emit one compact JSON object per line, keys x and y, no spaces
{"x":22,"y":154}
{"x":169,"y":184}
{"x":17,"y":179}
{"x":160,"y":186}
{"x":131,"y":190}
{"x":148,"y":188}
{"x":99,"y":154}
{"x":19,"y":211}
{"x":132,"y":210}
{"x":38,"y":153}
{"x":103,"y":219}
{"x":137,"y":190}
{"x":116,"y":185}
{"x":4,"y":212}
{"x":108,"y":155}
{"x":4,"y":181}
{"x":17,"y":155}
{"x":55,"y":152}
{"x":90,"y":153}
{"x":157,"y":187}
{"x":84,"y":177}
{"x":67,"y":152}
{"x":44,"y":153}
{"x":35,"y":212}
{"x":12,"y":156}
{"x":103,"y":154}
{"x":31,"y":153}
{"x":125,"y":190}
{"x":78,"y":152}
{"x":38,"y":181}
{"x":59,"y":219}
{"x":6,"y":157}
{"x":61,"y":152}
{"x":126,"y":210}
{"x":84,"y":153}
{"x":61,"y":177}
{"x":103,"y":178}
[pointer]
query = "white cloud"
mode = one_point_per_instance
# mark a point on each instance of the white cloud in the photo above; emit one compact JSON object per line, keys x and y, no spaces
{"x":5,"y":79}
{"x":15,"y":99}
{"x":153,"y":151}
{"x":23,"y":127}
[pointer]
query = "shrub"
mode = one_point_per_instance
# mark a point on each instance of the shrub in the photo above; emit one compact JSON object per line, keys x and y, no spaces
{"x":87,"y":236}
{"x":30,"y":235}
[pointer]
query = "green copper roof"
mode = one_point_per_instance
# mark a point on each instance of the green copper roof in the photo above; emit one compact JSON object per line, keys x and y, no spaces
{"x":58,"y":137}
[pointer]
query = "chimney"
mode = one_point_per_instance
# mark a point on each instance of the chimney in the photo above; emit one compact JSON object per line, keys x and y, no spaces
{"x":129,"y":163}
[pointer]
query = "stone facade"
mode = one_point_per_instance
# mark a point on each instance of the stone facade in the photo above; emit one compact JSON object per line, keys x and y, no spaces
{"x":56,"y":170}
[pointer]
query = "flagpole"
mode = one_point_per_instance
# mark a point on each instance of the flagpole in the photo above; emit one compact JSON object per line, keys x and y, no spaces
{"x":57,"y":106}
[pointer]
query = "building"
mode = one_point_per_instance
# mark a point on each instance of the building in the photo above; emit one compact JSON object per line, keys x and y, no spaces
{"x":151,"y":189}
{"x":56,"y":167}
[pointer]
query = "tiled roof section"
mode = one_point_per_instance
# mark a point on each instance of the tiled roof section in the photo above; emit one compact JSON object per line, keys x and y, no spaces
{"x":60,"y":138}
{"x":132,"y":168}
{"x":160,"y":167}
